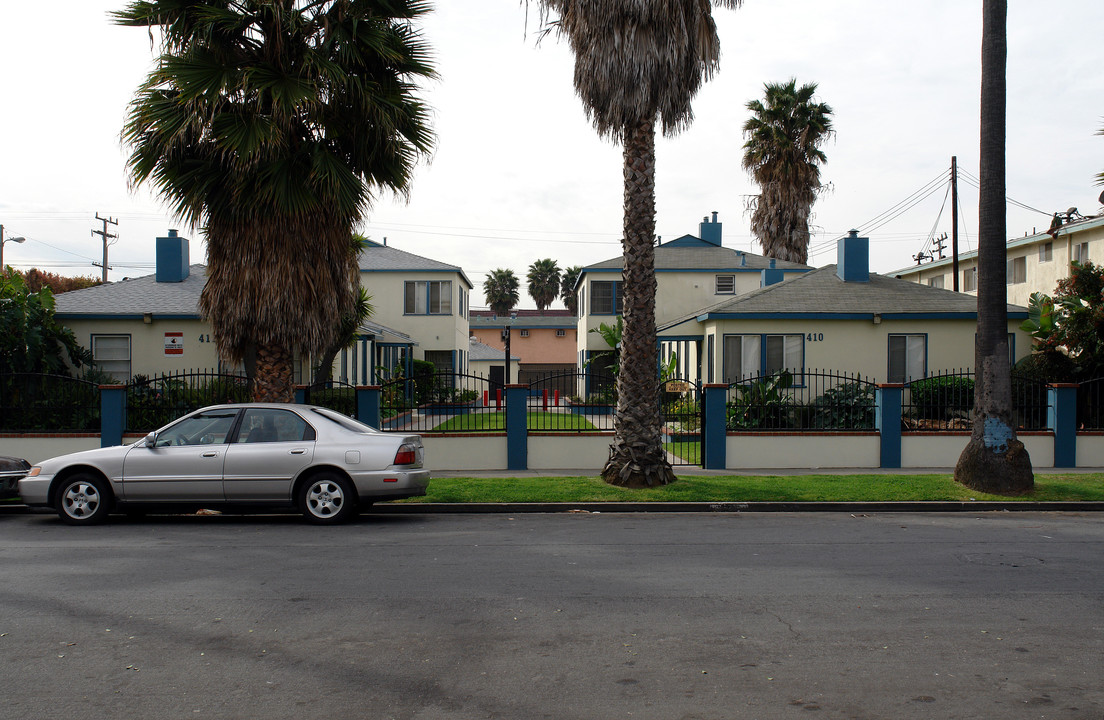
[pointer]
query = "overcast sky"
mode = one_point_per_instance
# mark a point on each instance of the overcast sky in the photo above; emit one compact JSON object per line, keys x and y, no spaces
{"x":518,"y":173}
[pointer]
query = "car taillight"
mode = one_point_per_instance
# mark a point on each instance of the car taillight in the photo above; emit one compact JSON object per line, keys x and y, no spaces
{"x":406,"y":455}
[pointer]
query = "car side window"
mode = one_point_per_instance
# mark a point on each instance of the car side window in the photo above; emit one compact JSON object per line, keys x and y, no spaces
{"x":209,"y":428}
{"x":272,"y":425}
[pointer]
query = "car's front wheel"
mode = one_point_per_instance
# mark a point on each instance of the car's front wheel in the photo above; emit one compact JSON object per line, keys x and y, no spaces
{"x":83,"y":499}
{"x":327,"y":499}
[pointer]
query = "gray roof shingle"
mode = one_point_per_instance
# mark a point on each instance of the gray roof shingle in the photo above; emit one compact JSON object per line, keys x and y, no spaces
{"x":135,"y":296}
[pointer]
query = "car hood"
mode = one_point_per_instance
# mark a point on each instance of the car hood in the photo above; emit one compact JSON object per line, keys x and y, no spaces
{"x":92,"y":457}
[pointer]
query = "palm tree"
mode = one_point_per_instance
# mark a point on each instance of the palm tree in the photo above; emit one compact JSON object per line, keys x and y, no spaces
{"x":272,"y":125}
{"x":994,"y":461}
{"x":636,"y":64}
{"x":782,"y":154}
{"x":544,"y":282}
{"x":567,"y":288}
{"x":500,"y":288}
{"x":350,"y":324}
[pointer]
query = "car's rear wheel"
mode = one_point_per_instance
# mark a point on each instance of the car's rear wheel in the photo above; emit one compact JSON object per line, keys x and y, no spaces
{"x":83,"y":499}
{"x":327,"y":499}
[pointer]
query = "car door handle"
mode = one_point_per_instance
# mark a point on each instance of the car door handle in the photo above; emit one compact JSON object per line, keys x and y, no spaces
{"x":210,"y":454}
{"x":298,"y":451}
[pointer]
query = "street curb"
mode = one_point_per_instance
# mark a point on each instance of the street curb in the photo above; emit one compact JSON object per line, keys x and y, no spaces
{"x":416,"y":508}
{"x":410,"y":508}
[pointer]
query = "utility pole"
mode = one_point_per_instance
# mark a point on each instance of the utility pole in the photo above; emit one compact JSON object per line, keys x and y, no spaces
{"x":954,"y":221}
{"x":106,"y":238}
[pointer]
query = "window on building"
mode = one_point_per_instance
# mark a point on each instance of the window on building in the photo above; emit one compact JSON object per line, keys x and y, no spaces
{"x":1017,"y":271}
{"x":711,"y":349}
{"x":748,"y":356}
{"x":725,"y":284}
{"x":908,"y":358}
{"x":1081,"y":252}
{"x":935,"y":282}
{"x":428,"y":297}
{"x":605,"y":297}
{"x":524,"y":332}
{"x":441,"y":359}
{"x":561,"y":333}
{"x":1046,"y":252}
{"x":111,"y":353}
{"x":969,"y":280}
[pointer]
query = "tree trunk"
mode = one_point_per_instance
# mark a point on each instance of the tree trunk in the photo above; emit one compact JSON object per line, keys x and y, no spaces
{"x":637,"y":458}
{"x":275,"y":378}
{"x":994,"y":461}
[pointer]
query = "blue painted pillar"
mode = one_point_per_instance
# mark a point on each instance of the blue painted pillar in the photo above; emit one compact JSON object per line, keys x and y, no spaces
{"x":517,"y":427}
{"x":887,"y":418}
{"x":1062,"y":419}
{"x":714,"y":432}
{"x":112,"y":414}
{"x":301,"y":394}
{"x":368,"y":404}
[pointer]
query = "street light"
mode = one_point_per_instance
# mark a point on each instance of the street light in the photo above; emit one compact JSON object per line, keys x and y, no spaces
{"x":7,"y":240}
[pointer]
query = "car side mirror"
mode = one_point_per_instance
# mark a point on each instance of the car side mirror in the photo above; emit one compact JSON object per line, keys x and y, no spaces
{"x":151,"y":440}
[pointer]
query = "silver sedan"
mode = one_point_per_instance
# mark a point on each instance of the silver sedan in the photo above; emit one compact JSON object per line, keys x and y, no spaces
{"x":234,"y":456}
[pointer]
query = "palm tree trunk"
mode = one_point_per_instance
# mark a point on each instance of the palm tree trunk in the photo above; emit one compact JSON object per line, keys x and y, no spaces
{"x":994,"y":461}
{"x":275,"y":378}
{"x":637,"y":458}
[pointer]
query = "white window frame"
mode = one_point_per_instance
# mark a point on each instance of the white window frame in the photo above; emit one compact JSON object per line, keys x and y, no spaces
{"x":108,"y":354}
{"x":1046,"y":252}
{"x":1017,"y":271}
{"x":1080,"y":252}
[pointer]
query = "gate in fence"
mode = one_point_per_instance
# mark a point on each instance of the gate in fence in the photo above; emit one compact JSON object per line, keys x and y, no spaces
{"x":680,"y":408}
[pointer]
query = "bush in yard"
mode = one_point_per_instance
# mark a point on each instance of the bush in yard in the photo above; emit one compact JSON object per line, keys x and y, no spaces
{"x":762,"y":404}
{"x":943,"y":397}
{"x":848,"y":406}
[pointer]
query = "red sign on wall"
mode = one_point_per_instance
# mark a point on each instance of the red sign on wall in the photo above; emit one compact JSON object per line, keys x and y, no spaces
{"x":174,"y":343}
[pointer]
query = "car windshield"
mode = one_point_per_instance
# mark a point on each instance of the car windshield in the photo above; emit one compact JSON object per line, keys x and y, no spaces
{"x":346,"y":422}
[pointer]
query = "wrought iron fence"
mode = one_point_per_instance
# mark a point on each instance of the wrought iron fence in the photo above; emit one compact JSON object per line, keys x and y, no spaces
{"x":156,"y":401}
{"x":1090,"y":405}
{"x":945,"y":402}
{"x":335,"y":395}
{"x":443,"y":402}
{"x":58,"y":403}
{"x":812,"y":400}
{"x":563,"y":401}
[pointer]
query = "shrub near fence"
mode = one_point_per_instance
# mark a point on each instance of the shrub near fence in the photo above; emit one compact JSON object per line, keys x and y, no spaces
{"x":32,"y":402}
{"x":157,"y":401}
{"x":337,"y":396}
{"x":812,"y":400}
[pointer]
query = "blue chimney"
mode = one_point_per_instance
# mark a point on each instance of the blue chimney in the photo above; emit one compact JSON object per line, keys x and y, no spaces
{"x":853,"y":258}
{"x":710,"y":232}
{"x":771,"y":275}
{"x":172,"y":258}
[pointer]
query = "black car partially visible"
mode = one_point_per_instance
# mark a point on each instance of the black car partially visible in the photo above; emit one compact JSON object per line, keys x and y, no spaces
{"x":11,"y":469}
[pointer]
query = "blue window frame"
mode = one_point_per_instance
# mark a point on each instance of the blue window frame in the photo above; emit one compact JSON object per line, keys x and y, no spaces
{"x":605,"y":297}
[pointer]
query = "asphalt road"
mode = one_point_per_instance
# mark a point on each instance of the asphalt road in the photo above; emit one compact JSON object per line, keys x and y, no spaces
{"x":600,"y":615}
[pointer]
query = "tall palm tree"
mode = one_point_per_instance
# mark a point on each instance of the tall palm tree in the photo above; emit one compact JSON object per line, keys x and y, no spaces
{"x":500,"y":288}
{"x":544,"y":282}
{"x":638,"y":64}
{"x":994,"y":461}
{"x":272,"y":124}
{"x":567,"y":288}
{"x":782,"y":154}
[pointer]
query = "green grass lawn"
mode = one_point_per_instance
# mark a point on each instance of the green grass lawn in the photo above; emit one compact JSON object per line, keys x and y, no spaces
{"x":496,"y":421}
{"x":762,"y":488}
